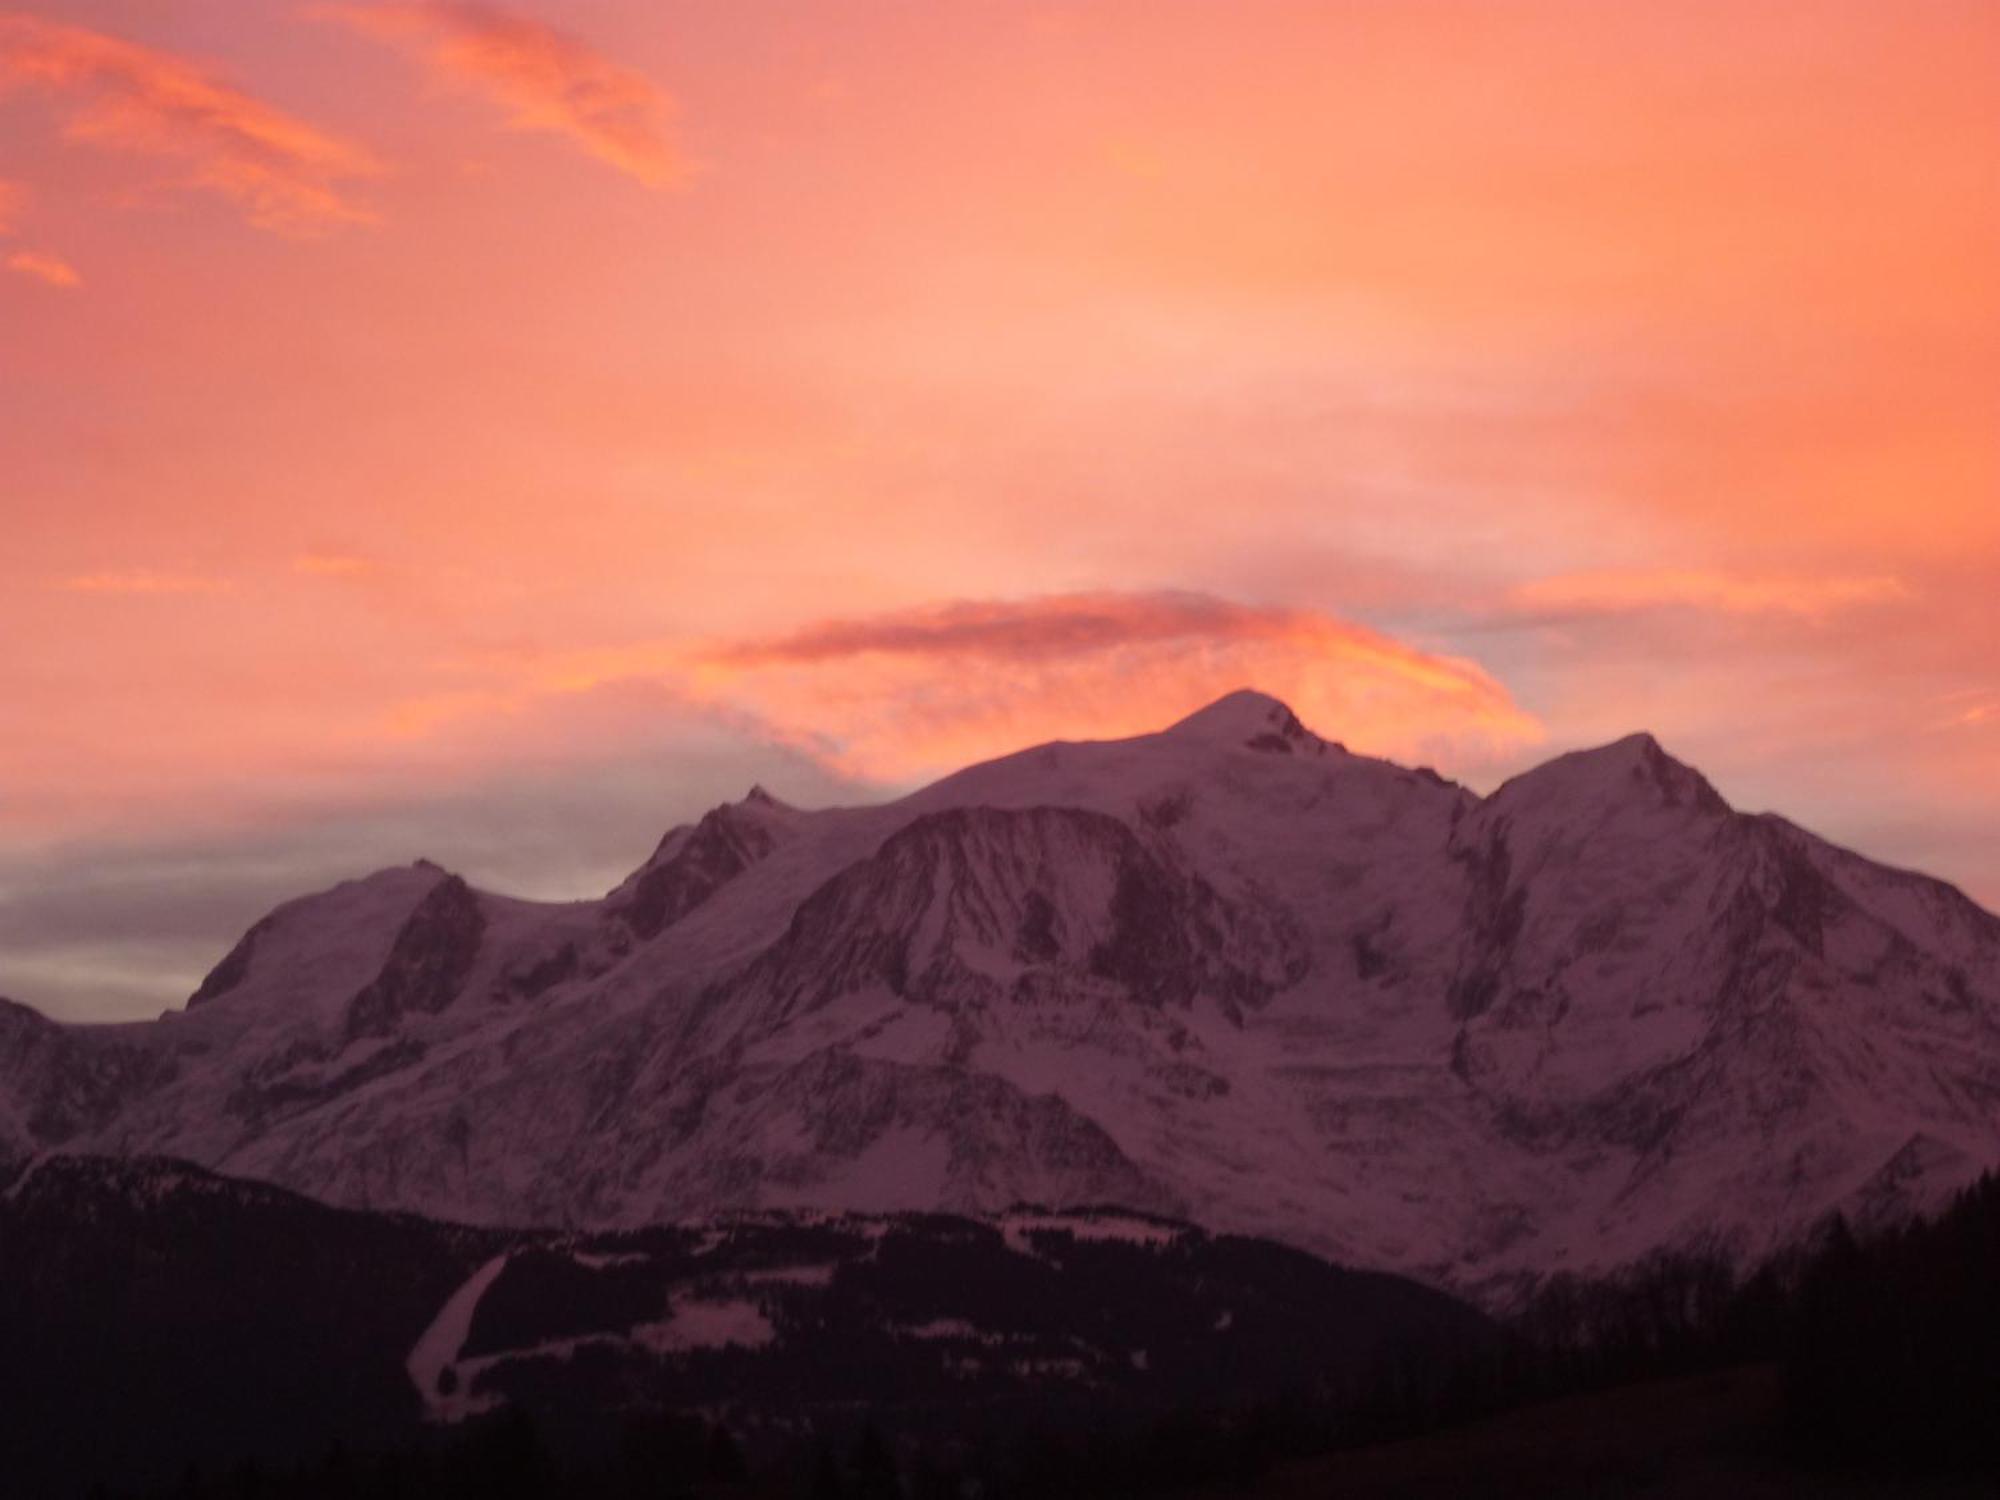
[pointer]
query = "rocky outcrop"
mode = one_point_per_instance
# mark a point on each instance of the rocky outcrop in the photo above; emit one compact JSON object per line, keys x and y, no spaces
{"x":691,"y":867}
{"x":963,"y":907}
{"x":428,"y":964}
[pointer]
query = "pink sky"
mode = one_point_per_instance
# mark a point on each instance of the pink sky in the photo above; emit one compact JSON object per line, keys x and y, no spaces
{"x":412,"y":402}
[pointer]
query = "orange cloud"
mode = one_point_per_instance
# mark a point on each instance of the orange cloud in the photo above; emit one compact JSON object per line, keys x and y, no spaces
{"x":1621,"y":592}
{"x":548,"y":80}
{"x":143,"y":581}
{"x":899,"y":696}
{"x":12,"y":196}
{"x":286,"y":174}
{"x":51,"y":269}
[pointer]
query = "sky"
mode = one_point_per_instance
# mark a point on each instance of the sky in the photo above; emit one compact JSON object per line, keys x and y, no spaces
{"x":495,"y":433}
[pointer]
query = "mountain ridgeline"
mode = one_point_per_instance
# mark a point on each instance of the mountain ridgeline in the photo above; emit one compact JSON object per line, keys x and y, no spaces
{"x":1229,"y":972}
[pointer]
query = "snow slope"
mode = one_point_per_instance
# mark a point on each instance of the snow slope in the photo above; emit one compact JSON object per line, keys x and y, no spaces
{"x":1229,"y":971}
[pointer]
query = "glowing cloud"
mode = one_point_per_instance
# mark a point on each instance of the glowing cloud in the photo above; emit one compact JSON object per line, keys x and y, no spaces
{"x":126,"y":97}
{"x":899,"y":696}
{"x":548,"y":80}
{"x":50,"y":269}
{"x":1615,"y":592}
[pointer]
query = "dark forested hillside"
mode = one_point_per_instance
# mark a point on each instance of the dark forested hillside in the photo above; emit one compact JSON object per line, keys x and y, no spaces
{"x":164,"y":1330}
{"x":154,"y":1315}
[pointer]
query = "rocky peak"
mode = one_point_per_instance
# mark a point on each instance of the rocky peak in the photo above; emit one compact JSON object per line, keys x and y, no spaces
{"x":692,"y":864}
{"x":354,"y":914}
{"x":1634,"y":771}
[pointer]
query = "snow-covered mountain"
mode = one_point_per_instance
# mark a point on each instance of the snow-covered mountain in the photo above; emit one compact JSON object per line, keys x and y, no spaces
{"x":1229,"y":972}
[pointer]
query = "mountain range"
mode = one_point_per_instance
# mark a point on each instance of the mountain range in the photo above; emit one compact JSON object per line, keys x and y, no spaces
{"x":1229,"y":973}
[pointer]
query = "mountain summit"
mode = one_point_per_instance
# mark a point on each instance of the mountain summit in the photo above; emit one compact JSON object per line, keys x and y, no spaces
{"x":1227,"y":971}
{"x":1249,"y":718}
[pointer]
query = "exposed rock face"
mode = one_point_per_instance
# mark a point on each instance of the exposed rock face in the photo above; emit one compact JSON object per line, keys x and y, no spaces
{"x":1230,"y":970}
{"x":691,"y":865}
{"x":58,"y":1083}
{"x":1050,"y":898}
{"x":428,"y":964}
{"x":234,"y":968}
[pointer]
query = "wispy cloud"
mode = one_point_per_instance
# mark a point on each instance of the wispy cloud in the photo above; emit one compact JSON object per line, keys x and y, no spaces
{"x":547,"y":80}
{"x":50,"y":269}
{"x":143,"y":581}
{"x":1027,"y":630}
{"x":287,"y":175}
{"x":1619,"y":592}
